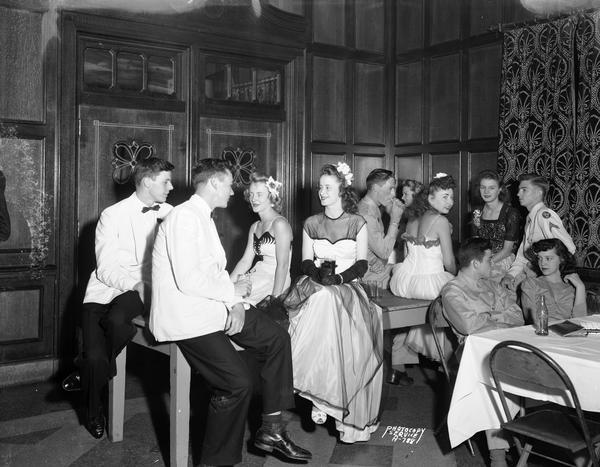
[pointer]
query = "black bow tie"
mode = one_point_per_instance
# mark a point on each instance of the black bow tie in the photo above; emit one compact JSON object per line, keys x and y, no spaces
{"x":156,"y":207}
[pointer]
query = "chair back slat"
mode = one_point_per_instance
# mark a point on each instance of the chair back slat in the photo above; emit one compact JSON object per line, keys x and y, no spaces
{"x":527,"y":370}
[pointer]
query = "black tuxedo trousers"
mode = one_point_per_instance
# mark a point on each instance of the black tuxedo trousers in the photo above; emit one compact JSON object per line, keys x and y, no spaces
{"x":231,"y":382}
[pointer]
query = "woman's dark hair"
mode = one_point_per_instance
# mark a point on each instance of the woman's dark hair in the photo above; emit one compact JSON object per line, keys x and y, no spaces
{"x":413,"y":185}
{"x":503,"y":195}
{"x":420,"y":202}
{"x":274,"y":195}
{"x":567,"y":260}
{"x":347,"y":193}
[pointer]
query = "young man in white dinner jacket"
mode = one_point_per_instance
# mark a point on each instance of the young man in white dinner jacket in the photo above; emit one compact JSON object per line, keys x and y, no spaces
{"x":195,"y":303}
{"x":119,"y":285}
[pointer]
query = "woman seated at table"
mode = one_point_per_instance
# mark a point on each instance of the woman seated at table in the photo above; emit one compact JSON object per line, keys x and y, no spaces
{"x":429,"y":262}
{"x":269,"y":241}
{"x":428,"y":266}
{"x":336,"y":332}
{"x":496,"y":220}
{"x":563,"y":289}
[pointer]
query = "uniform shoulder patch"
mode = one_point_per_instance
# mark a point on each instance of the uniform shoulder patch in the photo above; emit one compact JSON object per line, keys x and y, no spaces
{"x":546,"y":215}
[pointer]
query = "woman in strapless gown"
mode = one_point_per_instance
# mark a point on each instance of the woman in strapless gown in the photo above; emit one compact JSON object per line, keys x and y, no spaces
{"x":266,"y":259}
{"x":336,"y":332}
{"x":428,"y":265}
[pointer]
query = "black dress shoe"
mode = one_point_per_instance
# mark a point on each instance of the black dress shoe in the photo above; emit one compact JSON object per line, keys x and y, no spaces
{"x":95,"y":426}
{"x":72,"y":382}
{"x":280,"y":441}
{"x":399,"y":378}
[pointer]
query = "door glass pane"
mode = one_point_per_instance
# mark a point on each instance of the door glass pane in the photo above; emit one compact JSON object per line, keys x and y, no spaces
{"x":130,"y":71}
{"x":161,"y":75}
{"x":267,"y":86}
{"x":97,"y":67}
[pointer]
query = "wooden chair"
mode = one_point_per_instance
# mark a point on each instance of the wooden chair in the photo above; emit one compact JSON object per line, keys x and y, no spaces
{"x":179,"y":410}
{"x":437,"y":321}
{"x":523,"y":365}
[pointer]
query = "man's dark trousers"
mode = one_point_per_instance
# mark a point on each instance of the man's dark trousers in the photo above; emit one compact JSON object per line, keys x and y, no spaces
{"x":106,"y":330}
{"x":227,"y":375}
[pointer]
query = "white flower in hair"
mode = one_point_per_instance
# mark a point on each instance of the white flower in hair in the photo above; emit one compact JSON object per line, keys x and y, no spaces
{"x":273,"y":186}
{"x":440,"y":175}
{"x":344,"y":170}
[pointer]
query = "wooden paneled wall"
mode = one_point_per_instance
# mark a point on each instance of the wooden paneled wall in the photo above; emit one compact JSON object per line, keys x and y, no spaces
{"x":408,"y":85}
{"x":447,"y":82}
{"x":28,"y":258}
{"x":60,"y":171}
{"x":348,"y":81}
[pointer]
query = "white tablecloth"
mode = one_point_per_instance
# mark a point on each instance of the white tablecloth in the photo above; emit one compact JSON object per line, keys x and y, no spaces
{"x":475,"y":405}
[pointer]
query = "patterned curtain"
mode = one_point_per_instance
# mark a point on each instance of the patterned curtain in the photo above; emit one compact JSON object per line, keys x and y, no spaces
{"x":584,"y":196}
{"x":550,"y":120}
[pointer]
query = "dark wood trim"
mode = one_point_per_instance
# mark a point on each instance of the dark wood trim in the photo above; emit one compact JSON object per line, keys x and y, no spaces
{"x":389,"y":39}
{"x":68,"y":168}
{"x":30,"y":5}
{"x":131,"y":102}
{"x":294,"y":139}
{"x":445,"y":48}
{"x":339,"y":52}
{"x":478,"y":145}
{"x":218,"y":38}
{"x":338,"y":148}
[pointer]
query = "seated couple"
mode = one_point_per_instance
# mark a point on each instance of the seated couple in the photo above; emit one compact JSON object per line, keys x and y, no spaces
{"x":474,"y":302}
{"x":198,"y":305}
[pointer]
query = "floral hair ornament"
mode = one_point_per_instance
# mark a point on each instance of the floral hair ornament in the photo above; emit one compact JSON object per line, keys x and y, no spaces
{"x":273,"y":186}
{"x":440,"y":175}
{"x":344,"y":170}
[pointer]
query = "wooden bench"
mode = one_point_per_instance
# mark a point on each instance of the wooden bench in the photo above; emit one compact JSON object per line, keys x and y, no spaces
{"x":401,"y":312}
{"x":179,"y":404}
{"x":397,"y":313}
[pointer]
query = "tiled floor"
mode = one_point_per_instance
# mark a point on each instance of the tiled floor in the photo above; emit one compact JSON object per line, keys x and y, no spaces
{"x":39,"y":426}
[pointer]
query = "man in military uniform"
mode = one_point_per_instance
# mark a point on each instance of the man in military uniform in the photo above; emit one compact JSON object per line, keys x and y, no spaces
{"x":474,"y":303}
{"x":542,"y":222}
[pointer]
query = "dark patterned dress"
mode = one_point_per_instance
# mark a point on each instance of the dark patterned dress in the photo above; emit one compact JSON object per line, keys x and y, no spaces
{"x":506,"y":228}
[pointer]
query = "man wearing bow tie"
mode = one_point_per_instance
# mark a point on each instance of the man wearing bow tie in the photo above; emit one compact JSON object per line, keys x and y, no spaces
{"x":119,"y":287}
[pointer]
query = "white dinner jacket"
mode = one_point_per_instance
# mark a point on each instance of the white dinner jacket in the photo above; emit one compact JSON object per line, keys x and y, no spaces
{"x":124,"y":240}
{"x":191,"y":289}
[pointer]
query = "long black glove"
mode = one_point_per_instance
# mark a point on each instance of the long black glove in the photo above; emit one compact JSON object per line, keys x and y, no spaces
{"x":308,"y":268}
{"x":357,"y":270}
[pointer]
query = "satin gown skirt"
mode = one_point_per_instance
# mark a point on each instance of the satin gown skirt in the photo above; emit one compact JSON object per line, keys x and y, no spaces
{"x":337,"y":346}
